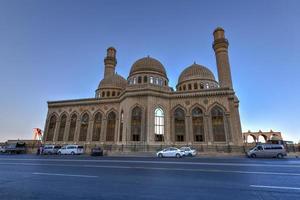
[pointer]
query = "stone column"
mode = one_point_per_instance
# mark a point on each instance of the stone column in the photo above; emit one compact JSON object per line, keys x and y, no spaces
{"x":90,"y":130}
{"x":77,"y":130}
{"x":116,"y":130}
{"x":228,"y":128}
{"x":56,"y":129}
{"x":67,"y":130}
{"x":188,"y":129}
{"x":209,"y":129}
{"x":103,"y":130}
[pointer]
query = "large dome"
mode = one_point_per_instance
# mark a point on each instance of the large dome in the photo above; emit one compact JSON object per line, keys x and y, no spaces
{"x":113,"y":81}
{"x":148,"y":64}
{"x":196,"y":72}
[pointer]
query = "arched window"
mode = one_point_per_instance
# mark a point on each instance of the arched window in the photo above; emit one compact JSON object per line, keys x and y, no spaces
{"x":72,"y":127}
{"x":190,"y":86}
{"x":97,"y":127}
{"x":121,"y":126}
{"x":195,"y":86}
{"x":111,"y":125}
{"x":145,"y":79}
{"x":62,"y":128}
{"x":103,"y":94}
{"x":184,"y":87}
{"x":151,"y":79}
{"x":159,"y":124}
{"x":84,"y":127}
{"x":217,"y":118}
{"x":113,"y":93}
{"x":139,"y":79}
{"x":136,"y":124}
{"x":201,"y":86}
{"x":198,"y":126}
{"x":51,"y":128}
{"x":108,"y":93}
{"x":179,"y":121}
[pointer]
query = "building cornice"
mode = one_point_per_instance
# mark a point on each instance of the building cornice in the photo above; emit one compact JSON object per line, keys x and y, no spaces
{"x":134,"y":92}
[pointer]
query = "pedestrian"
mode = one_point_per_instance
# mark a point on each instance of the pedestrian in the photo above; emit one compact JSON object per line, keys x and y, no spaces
{"x":41,"y":150}
{"x":38,"y":151}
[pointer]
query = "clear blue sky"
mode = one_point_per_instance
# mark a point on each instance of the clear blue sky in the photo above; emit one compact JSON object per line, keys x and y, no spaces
{"x":54,"y":50}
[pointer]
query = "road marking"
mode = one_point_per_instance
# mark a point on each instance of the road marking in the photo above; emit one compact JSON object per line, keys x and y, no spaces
{"x":275,"y":187}
{"x":71,"y":175}
{"x":157,"y":168}
{"x":160,"y":162}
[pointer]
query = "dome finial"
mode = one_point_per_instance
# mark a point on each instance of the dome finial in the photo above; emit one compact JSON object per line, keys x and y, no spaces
{"x":194,"y":62}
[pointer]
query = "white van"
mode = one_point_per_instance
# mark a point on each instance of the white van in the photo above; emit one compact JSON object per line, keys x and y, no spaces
{"x":71,"y":150}
{"x":267,"y":150}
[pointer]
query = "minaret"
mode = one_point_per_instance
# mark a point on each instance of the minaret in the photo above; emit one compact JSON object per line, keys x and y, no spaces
{"x":110,"y":62}
{"x":220,"y":47}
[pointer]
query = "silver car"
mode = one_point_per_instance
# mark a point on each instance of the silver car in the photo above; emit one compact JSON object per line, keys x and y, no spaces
{"x":267,"y":151}
{"x":51,"y":149}
{"x":170,"y":152}
{"x":188,"y":151}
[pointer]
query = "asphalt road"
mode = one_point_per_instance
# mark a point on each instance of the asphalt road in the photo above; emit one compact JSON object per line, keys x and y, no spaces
{"x":84,"y":177}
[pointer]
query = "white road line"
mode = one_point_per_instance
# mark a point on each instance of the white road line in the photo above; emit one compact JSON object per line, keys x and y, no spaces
{"x":71,"y":175}
{"x":275,"y":187}
{"x":160,"y":162}
{"x":157,"y":168}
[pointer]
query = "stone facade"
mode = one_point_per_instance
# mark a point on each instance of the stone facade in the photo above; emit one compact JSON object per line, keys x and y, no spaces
{"x":143,"y":111}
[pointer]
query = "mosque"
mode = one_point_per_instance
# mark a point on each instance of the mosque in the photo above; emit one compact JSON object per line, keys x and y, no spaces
{"x":143,"y":113}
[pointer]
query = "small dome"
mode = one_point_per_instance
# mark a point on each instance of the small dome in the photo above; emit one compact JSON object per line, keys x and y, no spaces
{"x":114,"y":80}
{"x":147,"y":64}
{"x":196,"y":71}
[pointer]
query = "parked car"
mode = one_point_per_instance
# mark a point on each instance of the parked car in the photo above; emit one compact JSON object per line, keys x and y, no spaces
{"x":96,"y":151}
{"x":188,"y":151}
{"x":2,"y":149}
{"x":71,"y":150}
{"x":170,"y":152}
{"x":15,"y":148}
{"x":267,"y":150}
{"x":51,"y":149}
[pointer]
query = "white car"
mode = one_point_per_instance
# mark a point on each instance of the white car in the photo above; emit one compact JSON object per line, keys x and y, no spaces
{"x":2,"y":149}
{"x":188,"y":151}
{"x":71,"y":150}
{"x":170,"y":152}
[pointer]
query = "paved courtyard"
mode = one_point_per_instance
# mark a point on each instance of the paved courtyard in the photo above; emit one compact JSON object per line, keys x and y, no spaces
{"x":84,"y":177}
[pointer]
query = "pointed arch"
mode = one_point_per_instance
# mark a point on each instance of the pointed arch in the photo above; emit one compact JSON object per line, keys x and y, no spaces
{"x":218,"y":124}
{"x":97,"y":126}
{"x":136,"y":123}
{"x":251,"y":138}
{"x":217,"y":104}
{"x":179,"y":124}
{"x":72,"y":129}
{"x":198,"y":124}
{"x":51,"y":127}
{"x":262,"y":138}
{"x":110,"y":111}
{"x":96,"y":112}
{"x":179,"y":106}
{"x":62,"y":127}
{"x":111,"y":126}
{"x":84,"y":124}
{"x":197,"y":105}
